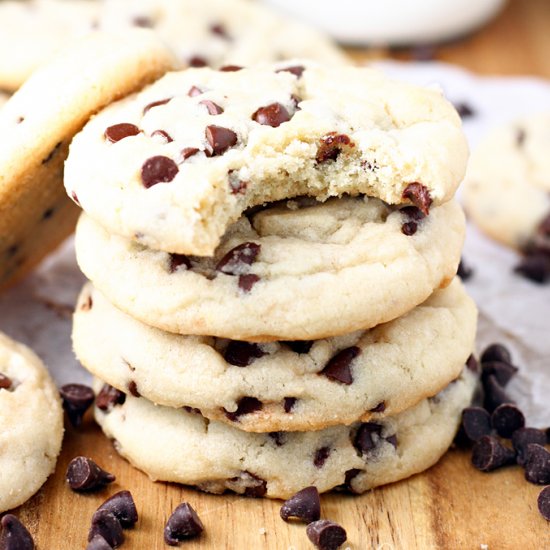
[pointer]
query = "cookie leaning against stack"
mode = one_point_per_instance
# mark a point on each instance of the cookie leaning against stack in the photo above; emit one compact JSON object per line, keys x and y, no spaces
{"x":324,"y":329}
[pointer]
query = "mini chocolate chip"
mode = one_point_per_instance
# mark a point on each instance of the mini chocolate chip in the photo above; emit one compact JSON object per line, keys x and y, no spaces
{"x":331,"y":146}
{"x":237,"y":258}
{"x":381,"y":407}
{"x":158,"y":169}
{"x":230,"y":68}
{"x":489,"y":454}
{"x":367,"y":437}
{"x":142,"y":21}
{"x":299,"y":346}
{"x":321,"y":456}
{"x":535,"y":267}
{"x":494,"y":394}
{"x":220,"y":139}
{"x":413,"y":213}
{"x":14,"y":535}
{"x":288,"y":403}
{"x":52,"y":153}
{"x":123,"y":507}
{"x":339,"y":367}
{"x":183,"y":524}
{"x":197,"y":61}
{"x":326,"y":535}
{"x":133,"y":389}
{"x":506,"y":419}
{"x":98,"y":543}
{"x":195,"y":91}
{"x":537,"y":464}
{"x":177,"y":261}
{"x":5,"y":382}
{"x":271,"y":115}
{"x":296,"y":70}
{"x":409,"y":228}
{"x":106,"y":525}
{"x":464,"y":110}
{"x":543,"y":503}
{"x":242,"y":354}
{"x":304,"y":506}
{"x":83,"y":474}
{"x":154,"y":104}
{"x":219,"y":30}
{"x":503,"y":372}
{"x":77,"y":399}
{"x":165,"y":136}
{"x":496,"y":352}
{"x":109,"y":397}
{"x":120,"y":131}
{"x":278,"y":437}
{"x":246,"y":405}
{"x":476,"y":423}
{"x":526,"y":436}
{"x":464,"y":271}
{"x":188,"y":152}
{"x":472,"y":364}
{"x":247,"y":282}
{"x":211,"y":107}
{"x":419,"y":195}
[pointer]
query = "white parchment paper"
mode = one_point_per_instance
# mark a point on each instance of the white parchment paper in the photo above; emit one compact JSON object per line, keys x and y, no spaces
{"x":512,"y":310}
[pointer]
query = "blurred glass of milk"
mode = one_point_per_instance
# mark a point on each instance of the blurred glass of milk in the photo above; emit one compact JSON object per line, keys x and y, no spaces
{"x":392,"y":22}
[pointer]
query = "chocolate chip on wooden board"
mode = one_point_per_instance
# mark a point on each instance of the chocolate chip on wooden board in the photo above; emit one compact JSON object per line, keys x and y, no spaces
{"x":506,"y":419}
{"x":123,"y":507}
{"x":488,"y":454}
{"x":106,"y":525}
{"x":304,"y":506}
{"x":98,"y":543}
{"x":14,"y":535}
{"x":476,"y":423}
{"x":494,"y":394}
{"x":543,"y":503}
{"x":326,"y":535}
{"x":524,"y":437}
{"x":537,"y":464}
{"x":83,"y":474}
{"x":183,"y":524}
{"x":77,"y":399}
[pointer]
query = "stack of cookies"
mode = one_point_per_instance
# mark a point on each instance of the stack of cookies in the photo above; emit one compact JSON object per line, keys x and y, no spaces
{"x":272,"y":252}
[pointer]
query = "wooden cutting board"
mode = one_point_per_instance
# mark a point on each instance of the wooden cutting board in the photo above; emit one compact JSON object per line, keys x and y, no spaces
{"x":452,"y":506}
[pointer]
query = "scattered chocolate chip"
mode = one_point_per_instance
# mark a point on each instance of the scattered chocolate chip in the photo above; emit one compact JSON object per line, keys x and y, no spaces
{"x":183,"y":524}
{"x":237,"y":258}
{"x":5,"y":382}
{"x":472,"y":364}
{"x":299,"y":346}
{"x":464,"y":110}
{"x":503,"y":372}
{"x":165,"y":136}
{"x":326,"y":535}
{"x":14,"y":535}
{"x":52,"y":153}
{"x":246,"y":282}
{"x":409,"y":228}
{"x":178,"y":261}
{"x":123,"y":507}
{"x":367,"y":437}
{"x":537,"y":464}
{"x":321,"y":456}
{"x":543,"y":503}
{"x":83,"y":474}
{"x":271,"y":115}
{"x":143,"y":21}
{"x":419,"y":195}
{"x":77,"y":399}
{"x":242,"y":354}
{"x":195,"y":91}
{"x":476,"y":423}
{"x":296,"y":70}
{"x":278,"y":437}
{"x":109,"y":397}
{"x":494,"y":394}
{"x":133,"y":389}
{"x":220,"y":30}
{"x":331,"y":146}
{"x":154,"y":104}
{"x":496,"y":352}
{"x":506,"y":419}
{"x":188,"y":152}
{"x":197,"y":61}
{"x":489,"y":454}
{"x":304,"y":506}
{"x":535,"y":267}
{"x":526,"y":436}
{"x":158,"y":169}
{"x":98,"y":543}
{"x":464,"y":271}
{"x":246,"y":405}
{"x":220,"y":139}
{"x":381,"y":407}
{"x":106,"y":525}
{"x":520,"y":137}
{"x":211,"y":107}
{"x":120,"y":131}
{"x":288,"y":403}
{"x":339,"y":367}
{"x":230,"y":68}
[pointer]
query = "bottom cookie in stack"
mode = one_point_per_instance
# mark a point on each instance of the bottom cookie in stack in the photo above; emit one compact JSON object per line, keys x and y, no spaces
{"x":184,"y":447}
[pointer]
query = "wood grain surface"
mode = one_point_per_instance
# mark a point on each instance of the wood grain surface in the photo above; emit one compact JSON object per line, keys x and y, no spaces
{"x":451,"y":506}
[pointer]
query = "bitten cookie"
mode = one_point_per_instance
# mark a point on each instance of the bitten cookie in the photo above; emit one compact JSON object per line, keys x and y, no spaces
{"x":290,"y":386}
{"x":213,"y":32}
{"x":37,"y":125}
{"x":31,"y":424}
{"x":507,"y":187}
{"x":174,"y":165}
{"x":175,"y":445}
{"x":299,"y":271}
